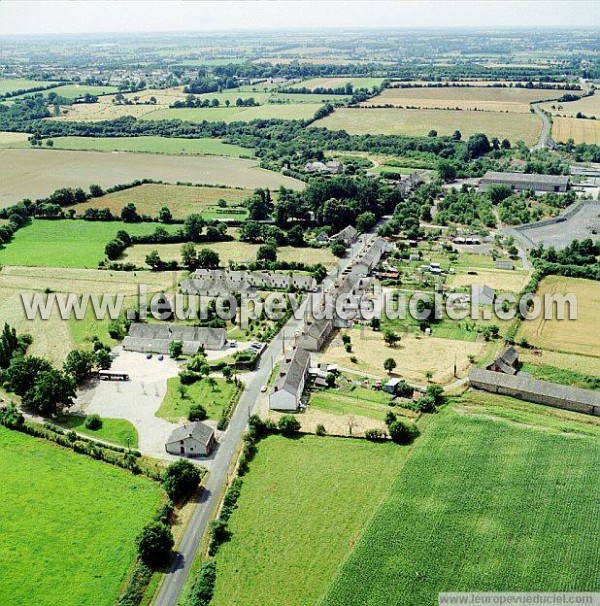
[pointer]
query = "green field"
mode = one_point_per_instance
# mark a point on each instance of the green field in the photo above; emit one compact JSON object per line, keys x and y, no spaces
{"x":303,"y":505}
{"x":358,"y":401}
{"x":334,"y":82}
{"x":69,"y":523}
{"x":159,"y":145}
{"x":66,"y":243}
{"x":215,"y":400}
{"x":484,"y":503}
{"x":74,"y":91}
{"x":117,"y":431}
{"x":9,"y":85}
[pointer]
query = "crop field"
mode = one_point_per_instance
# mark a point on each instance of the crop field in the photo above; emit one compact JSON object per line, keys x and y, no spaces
{"x":493,"y":498}
{"x":286,"y":543}
{"x":75,"y":91}
{"x":80,"y":530}
{"x":181,"y":200}
{"x":283,"y":111}
{"x":105,"y":109}
{"x":570,"y":362}
{"x":418,"y":122}
{"x":33,"y":173}
{"x":13,"y":139}
{"x":66,"y":243}
{"x":588,"y":106}
{"x":500,"y":280}
{"x":151,"y":144}
{"x":580,"y":336}
{"x":8,"y":85}
{"x":357,"y":83}
{"x":581,"y":131}
{"x":238,"y":252}
{"x":414,"y":355}
{"x":513,"y":100}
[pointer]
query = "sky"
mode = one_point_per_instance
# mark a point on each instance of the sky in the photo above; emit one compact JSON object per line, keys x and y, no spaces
{"x":93,"y":16}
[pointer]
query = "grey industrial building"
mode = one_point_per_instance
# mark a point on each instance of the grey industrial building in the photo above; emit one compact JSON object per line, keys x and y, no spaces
{"x":525,"y":181}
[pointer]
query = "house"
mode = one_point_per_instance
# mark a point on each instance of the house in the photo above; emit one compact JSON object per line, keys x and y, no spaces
{"x":156,"y":338}
{"x":289,"y":386}
{"x":391,"y":386}
{"x":316,"y":334}
{"x":408,"y":184}
{"x":331,"y":167}
{"x":482,"y":294}
{"x":215,"y":282}
{"x":191,"y":440}
{"x":505,"y":362}
{"x":322,"y":238}
{"x":525,"y":181}
{"x":369,"y":260}
{"x":348,"y":235}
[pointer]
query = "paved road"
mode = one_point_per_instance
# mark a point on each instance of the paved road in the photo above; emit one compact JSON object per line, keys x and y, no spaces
{"x":170,"y":590}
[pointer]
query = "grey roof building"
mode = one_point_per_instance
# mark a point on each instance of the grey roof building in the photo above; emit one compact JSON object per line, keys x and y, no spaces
{"x":289,"y":386}
{"x":523,"y":181}
{"x":506,"y":362}
{"x":214,"y":282}
{"x":191,"y":440}
{"x":482,"y":294}
{"x":156,"y":338}
{"x":348,"y":235}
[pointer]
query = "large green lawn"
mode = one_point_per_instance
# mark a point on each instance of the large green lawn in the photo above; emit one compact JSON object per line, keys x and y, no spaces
{"x":486,"y":502}
{"x":8,"y":85}
{"x":67,"y":524}
{"x":151,"y":144}
{"x":303,"y":506}
{"x":117,"y":431}
{"x":66,"y":243}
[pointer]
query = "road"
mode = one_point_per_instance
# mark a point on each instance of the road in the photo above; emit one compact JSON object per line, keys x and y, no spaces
{"x":170,"y":590}
{"x":545,"y":134}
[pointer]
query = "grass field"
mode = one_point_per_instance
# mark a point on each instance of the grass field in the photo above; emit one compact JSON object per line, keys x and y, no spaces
{"x":392,"y":121}
{"x":117,"y":431}
{"x":33,"y":173}
{"x":231,"y":251}
{"x":581,"y":131}
{"x":486,"y":502}
{"x":181,"y":201}
{"x":175,"y":408}
{"x":357,"y":83}
{"x":76,"y":518}
{"x":303,"y":507}
{"x":588,"y":106}
{"x":66,"y":243}
{"x":13,"y":139}
{"x":359,"y":401}
{"x":562,"y":376}
{"x":75,"y":91}
{"x":587,"y":365}
{"x":160,"y":145}
{"x":513,"y":100}
{"x":8,"y":85}
{"x":498,"y":279}
{"x":580,"y":336}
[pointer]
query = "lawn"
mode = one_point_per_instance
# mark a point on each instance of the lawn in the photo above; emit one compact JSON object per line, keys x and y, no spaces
{"x":418,"y":122}
{"x":117,"y":431}
{"x":483,"y":504}
{"x":581,"y":131}
{"x":358,"y":401}
{"x":180,"y":199}
{"x":215,"y":400}
{"x":159,"y":145}
{"x":66,"y":243}
{"x":303,"y":506}
{"x":68,"y":524}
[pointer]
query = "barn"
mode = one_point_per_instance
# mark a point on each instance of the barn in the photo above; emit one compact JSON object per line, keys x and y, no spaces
{"x":525,"y":181}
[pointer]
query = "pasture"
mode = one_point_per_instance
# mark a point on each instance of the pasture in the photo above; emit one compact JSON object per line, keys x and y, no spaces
{"x":13,"y":139}
{"x":117,"y":431}
{"x":34,"y":173}
{"x":181,"y":200}
{"x":159,"y":145}
{"x":9,"y":85}
{"x":76,"y":91}
{"x":581,"y":131}
{"x":298,"y":521}
{"x":580,"y":336}
{"x":513,"y":100}
{"x":239,"y":252}
{"x":86,"y":516}
{"x":418,"y":122}
{"x":357,"y":83}
{"x":461,"y":514}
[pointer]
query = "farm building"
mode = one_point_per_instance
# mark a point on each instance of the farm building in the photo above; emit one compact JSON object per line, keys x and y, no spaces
{"x":348,"y":235}
{"x":156,"y":338}
{"x":191,"y":440}
{"x":504,"y":265}
{"x":391,"y":386}
{"x":331,"y":167}
{"x":524,"y":181}
{"x":289,"y":386}
{"x":221,"y":281}
{"x":315,"y":334}
{"x":482,"y":294}
{"x":539,"y":392}
{"x":506,"y":362}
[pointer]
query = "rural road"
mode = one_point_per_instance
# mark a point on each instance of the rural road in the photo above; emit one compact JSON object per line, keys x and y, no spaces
{"x":545,"y":134}
{"x":170,"y":590}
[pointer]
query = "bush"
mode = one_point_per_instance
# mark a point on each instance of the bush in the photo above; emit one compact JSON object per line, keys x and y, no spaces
{"x":401,"y":432}
{"x":180,"y":479}
{"x":155,"y":544}
{"x":203,"y":589}
{"x":374,"y":434}
{"x":288,"y":425}
{"x":320,"y":430}
{"x":93,"y":422}
{"x":197,"y":413}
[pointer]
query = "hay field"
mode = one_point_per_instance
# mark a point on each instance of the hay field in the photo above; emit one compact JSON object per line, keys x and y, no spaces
{"x":580,"y":336}
{"x":13,"y":139}
{"x":589,"y":106}
{"x":181,"y":200}
{"x":580,"y":130}
{"x":34,"y":173}
{"x":103,"y":110}
{"x":412,"y":122}
{"x":513,"y":100}
{"x":357,"y":83}
{"x":583,"y":364}
{"x":415,"y":355}
{"x":238,"y":252}
{"x":499,"y":280}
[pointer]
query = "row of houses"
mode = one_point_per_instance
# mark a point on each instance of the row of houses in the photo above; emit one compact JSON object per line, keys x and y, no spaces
{"x":157,"y":338}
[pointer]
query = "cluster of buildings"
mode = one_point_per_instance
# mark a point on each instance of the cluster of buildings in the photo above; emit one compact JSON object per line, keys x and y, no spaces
{"x":324,"y":168}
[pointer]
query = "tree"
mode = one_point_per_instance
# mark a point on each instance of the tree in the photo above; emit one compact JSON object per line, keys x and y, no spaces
{"x":175,"y":349}
{"x":391,"y":338}
{"x":212,"y":382}
{"x":266,"y":252}
{"x":52,"y":392}
{"x":180,"y":479}
{"x":227,"y":373}
{"x":96,"y":191}
{"x":103,"y":359}
{"x":193,"y":226}
{"x":208,"y":259}
{"x":288,"y":425}
{"x":401,"y":432}
{"x":79,"y":364}
{"x":456,"y":135}
{"x":93,"y":422}
{"x":155,"y":544}
{"x":338,"y":248}
{"x":164,"y":215}
{"x":23,"y":371}
{"x":154,"y":261}
{"x":197,"y":413}
{"x":365,"y":221}
{"x":498,"y":192}
{"x":446,"y":171}
{"x":375,"y":324}
{"x":129,"y":214}
{"x":432,"y":133}
{"x":389,"y":364}
{"x":189,"y":257}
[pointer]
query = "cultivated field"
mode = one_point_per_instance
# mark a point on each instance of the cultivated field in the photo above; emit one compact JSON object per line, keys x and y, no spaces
{"x":580,"y":336}
{"x":572,"y":362}
{"x":461,"y":515}
{"x":581,"y":131}
{"x":414,"y":355}
{"x":238,"y":252}
{"x":393,"y":121}
{"x":180,"y":199}
{"x":13,"y":139}
{"x":499,"y":280}
{"x":158,"y":145}
{"x":80,"y":529}
{"x":297,"y":522}
{"x":588,"y":106}
{"x":103,"y":110}
{"x":33,"y":173}
{"x":357,"y":83}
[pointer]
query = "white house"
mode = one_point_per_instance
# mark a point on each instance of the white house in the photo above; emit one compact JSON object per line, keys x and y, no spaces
{"x":289,"y":386}
{"x":191,"y":440}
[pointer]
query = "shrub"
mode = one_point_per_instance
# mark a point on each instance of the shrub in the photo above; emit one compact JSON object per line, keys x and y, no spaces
{"x":93,"y":422}
{"x":180,"y":479}
{"x":155,"y":543}
{"x":203,"y":589}
{"x":401,"y":432}
{"x":197,"y":413}
{"x":374,"y":434}
{"x":320,"y":430}
{"x":288,"y":425}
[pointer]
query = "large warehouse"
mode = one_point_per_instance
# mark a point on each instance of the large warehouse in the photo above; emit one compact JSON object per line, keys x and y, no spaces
{"x":524,"y":181}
